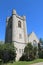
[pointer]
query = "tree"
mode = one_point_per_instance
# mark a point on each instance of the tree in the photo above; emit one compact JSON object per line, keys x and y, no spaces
{"x":40,"y":51}
{"x":30,"y":53}
{"x":41,"y":41}
{"x":7,"y":52}
{"x":28,"y":49}
{"x":35,"y":51}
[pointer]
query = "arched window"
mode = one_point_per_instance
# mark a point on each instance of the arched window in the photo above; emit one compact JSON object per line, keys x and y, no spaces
{"x":34,"y":43}
{"x":19,"y":24}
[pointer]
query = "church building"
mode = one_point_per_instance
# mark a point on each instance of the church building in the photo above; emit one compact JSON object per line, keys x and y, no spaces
{"x":16,"y":32}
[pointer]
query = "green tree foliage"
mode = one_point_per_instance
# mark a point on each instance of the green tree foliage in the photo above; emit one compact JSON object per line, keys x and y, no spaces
{"x":40,"y":51}
{"x":30,"y":53}
{"x":41,"y":41}
{"x":7,"y":52}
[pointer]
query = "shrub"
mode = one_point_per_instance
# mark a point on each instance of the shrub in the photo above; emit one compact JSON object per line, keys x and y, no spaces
{"x":30,"y":53}
{"x":7,"y":52}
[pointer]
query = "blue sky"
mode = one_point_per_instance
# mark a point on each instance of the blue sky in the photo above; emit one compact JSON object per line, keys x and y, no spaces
{"x":32,"y":9}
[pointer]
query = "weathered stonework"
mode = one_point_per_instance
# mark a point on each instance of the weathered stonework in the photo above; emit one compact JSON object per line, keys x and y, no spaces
{"x":18,"y":35}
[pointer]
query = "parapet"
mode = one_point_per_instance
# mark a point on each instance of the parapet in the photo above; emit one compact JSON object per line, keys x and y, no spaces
{"x":20,"y":17}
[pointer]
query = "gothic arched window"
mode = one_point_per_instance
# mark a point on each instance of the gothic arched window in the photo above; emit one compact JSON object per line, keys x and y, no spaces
{"x":34,"y":43}
{"x":19,"y":24}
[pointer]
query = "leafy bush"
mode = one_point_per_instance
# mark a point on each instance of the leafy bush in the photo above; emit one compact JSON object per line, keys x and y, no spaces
{"x":30,"y":53}
{"x":7,"y":52}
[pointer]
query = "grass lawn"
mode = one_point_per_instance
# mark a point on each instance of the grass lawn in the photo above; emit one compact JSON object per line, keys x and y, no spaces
{"x":25,"y":62}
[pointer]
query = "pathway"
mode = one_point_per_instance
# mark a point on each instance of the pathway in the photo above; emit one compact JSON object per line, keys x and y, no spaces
{"x":41,"y":63}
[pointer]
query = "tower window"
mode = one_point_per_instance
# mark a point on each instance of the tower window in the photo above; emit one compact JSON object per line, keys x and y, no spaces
{"x":19,"y":24}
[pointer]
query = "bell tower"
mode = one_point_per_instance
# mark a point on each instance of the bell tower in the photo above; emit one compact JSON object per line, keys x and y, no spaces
{"x":18,"y":32}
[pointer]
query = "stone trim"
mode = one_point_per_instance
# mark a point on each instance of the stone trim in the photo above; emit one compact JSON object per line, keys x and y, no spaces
{"x":19,"y":42}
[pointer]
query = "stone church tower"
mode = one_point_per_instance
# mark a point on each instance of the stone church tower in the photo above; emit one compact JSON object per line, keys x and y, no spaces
{"x":16,"y":32}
